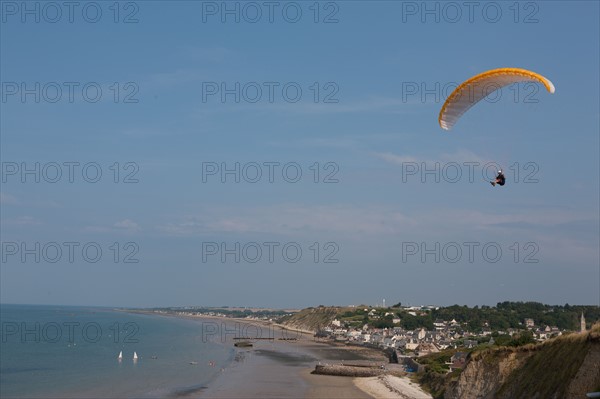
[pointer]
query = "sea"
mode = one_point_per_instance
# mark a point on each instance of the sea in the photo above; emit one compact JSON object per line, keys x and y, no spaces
{"x":72,"y":352}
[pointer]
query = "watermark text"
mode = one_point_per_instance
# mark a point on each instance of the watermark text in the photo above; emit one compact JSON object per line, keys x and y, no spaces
{"x":269,"y":251}
{"x":68,"y":251}
{"x":470,"y":251}
{"x":269,"y":172}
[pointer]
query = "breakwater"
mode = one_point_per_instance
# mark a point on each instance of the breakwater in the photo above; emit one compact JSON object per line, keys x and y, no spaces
{"x":348,"y":371}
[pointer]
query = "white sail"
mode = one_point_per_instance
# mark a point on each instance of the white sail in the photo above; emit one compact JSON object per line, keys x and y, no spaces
{"x":135,"y":356}
{"x":120,"y":355}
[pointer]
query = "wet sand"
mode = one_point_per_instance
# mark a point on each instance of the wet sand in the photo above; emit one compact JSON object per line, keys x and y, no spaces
{"x":282,"y":369}
{"x":327,"y":386}
{"x":278,"y":368}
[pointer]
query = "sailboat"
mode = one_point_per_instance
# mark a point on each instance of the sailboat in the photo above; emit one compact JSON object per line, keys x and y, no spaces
{"x":135,"y":356}
{"x":120,"y":357}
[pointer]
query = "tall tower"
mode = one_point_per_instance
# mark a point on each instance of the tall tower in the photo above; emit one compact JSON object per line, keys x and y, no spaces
{"x":582,"y":322}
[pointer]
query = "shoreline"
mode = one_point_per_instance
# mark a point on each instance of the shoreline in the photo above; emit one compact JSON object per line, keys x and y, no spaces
{"x":389,"y":386}
{"x":282,"y":367}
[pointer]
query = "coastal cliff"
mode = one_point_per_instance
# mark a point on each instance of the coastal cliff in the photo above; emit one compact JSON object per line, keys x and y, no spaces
{"x":564,"y":367}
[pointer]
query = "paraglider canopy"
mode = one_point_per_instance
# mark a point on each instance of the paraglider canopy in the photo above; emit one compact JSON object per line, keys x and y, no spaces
{"x":473,"y":90}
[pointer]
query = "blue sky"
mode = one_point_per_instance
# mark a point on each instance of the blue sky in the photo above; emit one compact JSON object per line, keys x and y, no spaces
{"x":370,"y":134}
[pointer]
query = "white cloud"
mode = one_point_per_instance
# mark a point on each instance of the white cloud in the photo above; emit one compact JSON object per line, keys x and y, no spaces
{"x":392,"y":225}
{"x":8,"y":199}
{"x":177,"y":77}
{"x":127,"y":224}
{"x":123,"y":226}
{"x":373,"y":104}
{"x":396,"y":159}
{"x":460,"y":156}
{"x":22,"y":221}
{"x":294,"y":220}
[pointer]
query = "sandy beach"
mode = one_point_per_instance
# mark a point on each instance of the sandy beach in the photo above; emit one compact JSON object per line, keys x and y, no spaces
{"x":389,"y":386}
{"x":275,"y":369}
{"x":281,"y":367}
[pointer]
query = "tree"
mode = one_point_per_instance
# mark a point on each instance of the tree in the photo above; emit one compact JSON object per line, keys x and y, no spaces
{"x":385,"y":322}
{"x":524,"y":338}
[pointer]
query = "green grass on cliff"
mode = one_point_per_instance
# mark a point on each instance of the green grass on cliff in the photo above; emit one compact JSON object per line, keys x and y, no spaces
{"x":546,"y":372}
{"x":551,"y":366}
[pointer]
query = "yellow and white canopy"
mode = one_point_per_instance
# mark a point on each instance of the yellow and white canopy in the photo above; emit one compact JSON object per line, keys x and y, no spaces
{"x":473,"y":90}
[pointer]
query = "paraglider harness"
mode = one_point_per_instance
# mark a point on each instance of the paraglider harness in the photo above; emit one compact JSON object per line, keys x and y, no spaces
{"x":500,"y":179}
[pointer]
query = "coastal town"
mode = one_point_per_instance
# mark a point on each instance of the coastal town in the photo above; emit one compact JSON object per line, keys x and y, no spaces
{"x":379,"y":327}
{"x":446,"y":334}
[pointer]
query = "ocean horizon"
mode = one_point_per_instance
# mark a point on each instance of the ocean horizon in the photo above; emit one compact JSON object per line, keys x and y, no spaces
{"x":72,"y":351}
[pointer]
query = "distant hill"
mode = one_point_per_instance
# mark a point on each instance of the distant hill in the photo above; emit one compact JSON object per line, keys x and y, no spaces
{"x":311,"y":319}
{"x":503,"y":316}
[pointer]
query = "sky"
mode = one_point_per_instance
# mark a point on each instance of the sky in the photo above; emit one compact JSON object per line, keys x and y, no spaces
{"x":288,"y":154}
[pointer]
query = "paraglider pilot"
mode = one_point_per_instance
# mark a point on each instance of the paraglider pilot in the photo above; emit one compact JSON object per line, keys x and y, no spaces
{"x":500,"y":179}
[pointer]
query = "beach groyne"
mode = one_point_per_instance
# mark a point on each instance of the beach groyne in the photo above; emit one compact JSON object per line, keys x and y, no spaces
{"x":348,"y":371}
